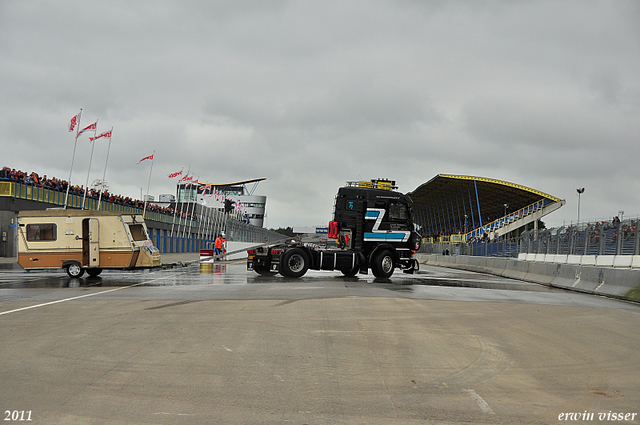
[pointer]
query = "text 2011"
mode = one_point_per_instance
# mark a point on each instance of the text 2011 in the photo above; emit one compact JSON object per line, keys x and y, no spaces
{"x":17,"y":415}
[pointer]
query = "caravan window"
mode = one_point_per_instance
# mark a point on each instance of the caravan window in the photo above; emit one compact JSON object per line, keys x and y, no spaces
{"x":41,"y":232}
{"x":137,"y":232}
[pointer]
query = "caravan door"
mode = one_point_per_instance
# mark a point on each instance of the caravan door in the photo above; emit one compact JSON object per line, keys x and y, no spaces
{"x":91,"y":242}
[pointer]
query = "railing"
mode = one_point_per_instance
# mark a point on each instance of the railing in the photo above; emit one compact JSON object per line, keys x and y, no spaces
{"x":56,"y":197}
{"x":496,"y":248}
{"x":509,"y":218}
{"x":185,"y":235}
{"x":595,"y":239}
{"x":598,"y":244}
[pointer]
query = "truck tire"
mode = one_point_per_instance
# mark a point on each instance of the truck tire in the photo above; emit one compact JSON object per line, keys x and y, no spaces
{"x":383,"y":264}
{"x":295,"y":263}
{"x":74,"y":270}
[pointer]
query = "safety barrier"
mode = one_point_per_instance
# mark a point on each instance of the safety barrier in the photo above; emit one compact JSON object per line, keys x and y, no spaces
{"x":621,"y":283}
{"x":614,"y":261}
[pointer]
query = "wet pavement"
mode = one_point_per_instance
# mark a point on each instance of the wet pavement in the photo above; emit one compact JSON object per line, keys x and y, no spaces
{"x":183,"y":278}
{"x":179,"y":346}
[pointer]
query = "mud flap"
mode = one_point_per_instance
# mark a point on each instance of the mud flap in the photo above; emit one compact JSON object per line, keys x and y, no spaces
{"x":415,"y":266}
{"x":362,"y":261}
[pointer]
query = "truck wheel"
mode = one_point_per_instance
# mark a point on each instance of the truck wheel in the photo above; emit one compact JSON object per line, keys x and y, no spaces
{"x":295,"y":263}
{"x":74,"y":270}
{"x":94,"y":272}
{"x":383,"y":265}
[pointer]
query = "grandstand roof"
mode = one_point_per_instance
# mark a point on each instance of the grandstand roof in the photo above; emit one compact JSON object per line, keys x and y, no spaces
{"x":234,"y":183}
{"x":492,"y":194}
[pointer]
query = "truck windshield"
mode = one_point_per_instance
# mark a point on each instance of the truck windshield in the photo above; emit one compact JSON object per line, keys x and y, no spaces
{"x":398,"y":212}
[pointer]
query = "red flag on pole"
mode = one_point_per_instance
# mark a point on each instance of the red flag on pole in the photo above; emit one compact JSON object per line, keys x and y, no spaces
{"x":175,"y":174}
{"x":105,"y":134}
{"x":145,"y":158}
{"x":74,"y":121}
{"x":93,"y":126}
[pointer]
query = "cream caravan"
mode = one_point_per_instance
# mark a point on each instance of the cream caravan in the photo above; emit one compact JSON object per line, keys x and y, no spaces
{"x":79,"y":240}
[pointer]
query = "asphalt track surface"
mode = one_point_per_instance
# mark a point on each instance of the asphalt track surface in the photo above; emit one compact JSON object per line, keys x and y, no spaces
{"x":178,"y":346}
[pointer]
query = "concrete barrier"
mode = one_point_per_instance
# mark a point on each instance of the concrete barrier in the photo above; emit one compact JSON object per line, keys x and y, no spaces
{"x":581,"y":278}
{"x":605,"y":260}
{"x":619,"y":282}
{"x":616,"y":282}
{"x":516,"y":269}
{"x":574,"y":259}
{"x":543,"y":273}
{"x":496,"y":265}
{"x":556,"y":258}
{"x":630,"y":261}
{"x":624,"y":261}
{"x":474,"y":264}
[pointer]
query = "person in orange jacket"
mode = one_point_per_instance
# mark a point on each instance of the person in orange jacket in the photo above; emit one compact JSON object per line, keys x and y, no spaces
{"x":218,"y":248}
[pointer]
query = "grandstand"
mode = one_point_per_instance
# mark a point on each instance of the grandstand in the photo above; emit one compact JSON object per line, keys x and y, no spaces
{"x":458,"y":208}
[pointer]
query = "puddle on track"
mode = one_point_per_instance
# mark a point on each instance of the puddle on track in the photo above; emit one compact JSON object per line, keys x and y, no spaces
{"x":235,"y":274}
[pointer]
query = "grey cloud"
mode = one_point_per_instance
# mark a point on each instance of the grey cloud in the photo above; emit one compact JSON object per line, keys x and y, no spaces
{"x":308,"y":95}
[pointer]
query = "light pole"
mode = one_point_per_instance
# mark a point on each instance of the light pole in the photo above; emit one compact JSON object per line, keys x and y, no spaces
{"x":580,"y":192}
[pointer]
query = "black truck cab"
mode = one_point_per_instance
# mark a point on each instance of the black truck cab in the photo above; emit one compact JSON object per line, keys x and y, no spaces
{"x":373,"y":227}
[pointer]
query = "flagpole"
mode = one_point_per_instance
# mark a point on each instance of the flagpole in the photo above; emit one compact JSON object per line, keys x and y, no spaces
{"x":73,"y":156}
{"x":184,"y":226}
{"x":181,"y":206}
{"x":193,"y":208}
{"x":104,"y":173}
{"x":174,"y":210}
{"x":174,"y":215}
{"x":148,"y":184}
{"x":93,"y":145}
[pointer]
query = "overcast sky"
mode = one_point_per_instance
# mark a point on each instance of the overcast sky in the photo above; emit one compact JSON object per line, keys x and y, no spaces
{"x":312,"y":94}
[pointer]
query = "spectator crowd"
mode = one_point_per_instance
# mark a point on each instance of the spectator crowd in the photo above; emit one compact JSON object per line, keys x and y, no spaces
{"x":33,"y":179}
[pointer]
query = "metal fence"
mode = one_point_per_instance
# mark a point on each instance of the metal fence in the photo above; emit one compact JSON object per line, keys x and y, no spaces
{"x":498,"y":248}
{"x":601,"y":238}
{"x":596,"y":239}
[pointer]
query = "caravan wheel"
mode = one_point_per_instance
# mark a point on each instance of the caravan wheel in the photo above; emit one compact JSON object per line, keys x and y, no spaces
{"x":94,"y":272}
{"x":74,"y":270}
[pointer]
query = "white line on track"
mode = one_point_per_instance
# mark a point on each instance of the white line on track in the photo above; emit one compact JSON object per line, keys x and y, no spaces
{"x":483,"y":404}
{"x":79,"y":296}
